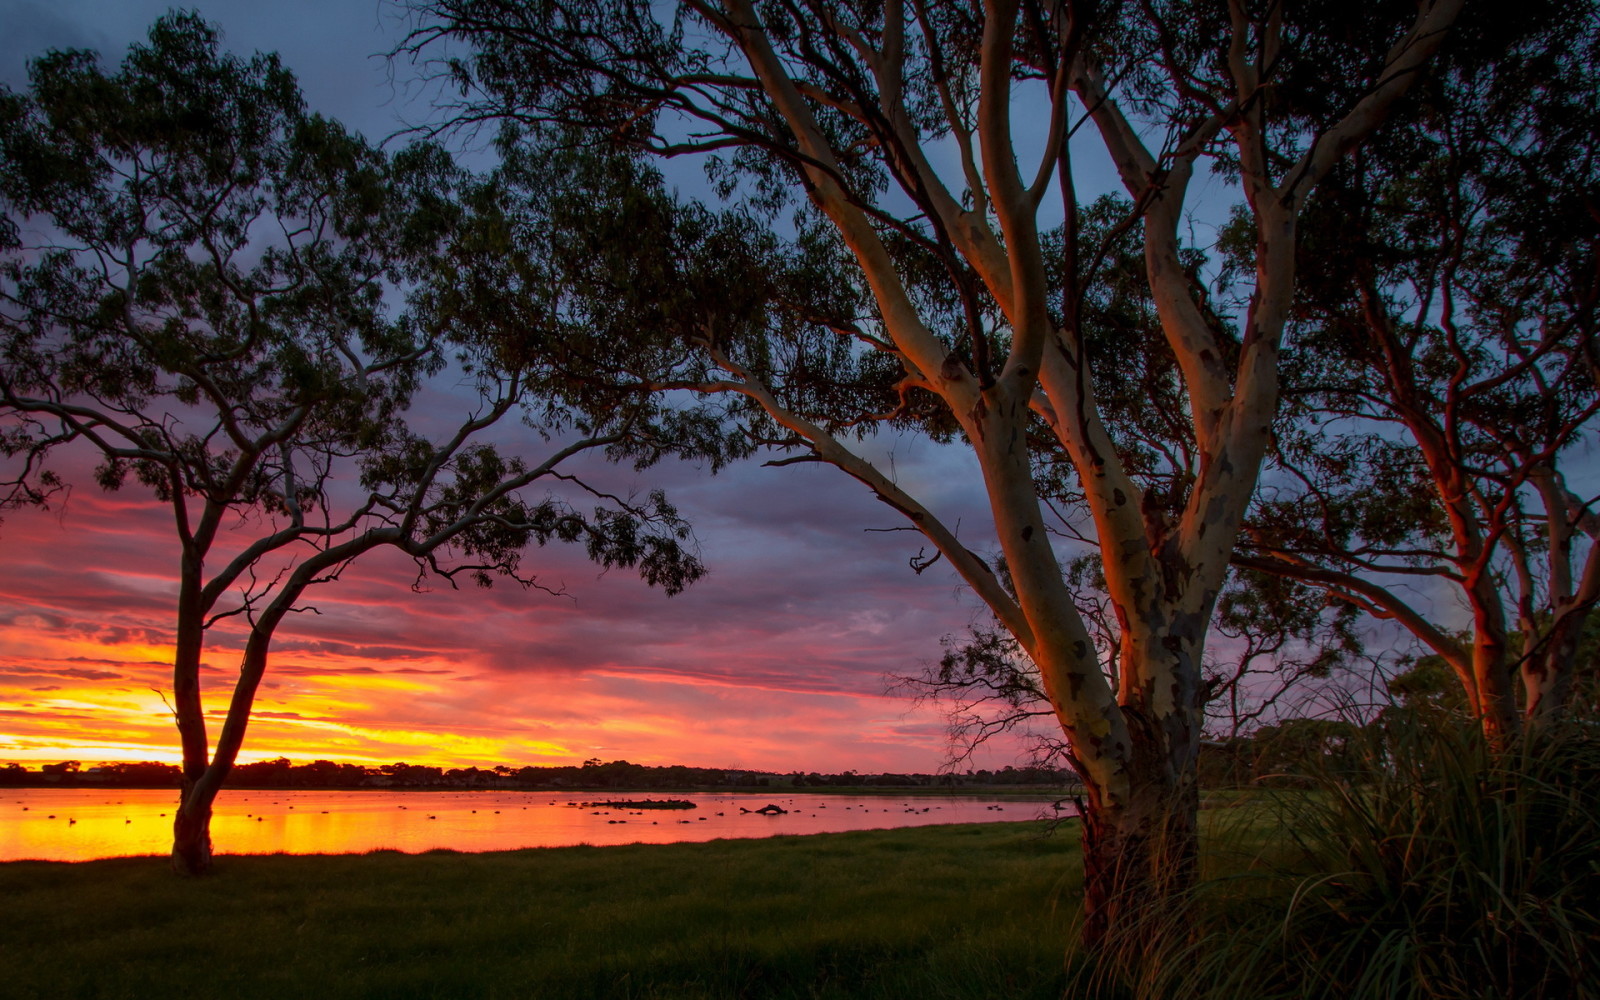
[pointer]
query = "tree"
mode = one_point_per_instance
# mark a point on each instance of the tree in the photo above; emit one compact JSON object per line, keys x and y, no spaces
{"x":939,"y":310}
{"x":1449,"y":386}
{"x":195,"y":289}
{"x":1277,"y":642}
{"x":1284,"y":645}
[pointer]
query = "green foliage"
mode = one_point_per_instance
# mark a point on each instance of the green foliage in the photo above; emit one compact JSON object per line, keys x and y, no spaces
{"x":197,"y":281}
{"x":648,"y":291}
{"x":206,"y":298}
{"x":1428,"y":683}
{"x":1289,"y":752}
{"x":1441,"y":389}
{"x":204,"y":275}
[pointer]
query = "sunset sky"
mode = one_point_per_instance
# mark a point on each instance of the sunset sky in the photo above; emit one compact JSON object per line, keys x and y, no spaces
{"x":779,"y":660}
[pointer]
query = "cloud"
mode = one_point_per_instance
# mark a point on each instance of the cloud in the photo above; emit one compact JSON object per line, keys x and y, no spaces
{"x":259,"y":714}
{"x":777,"y":659}
{"x":123,"y":635}
{"x":33,"y":713}
{"x":358,"y":650}
{"x":31,"y":619}
{"x":31,"y":28}
{"x":289,"y":670}
{"x":70,"y":673}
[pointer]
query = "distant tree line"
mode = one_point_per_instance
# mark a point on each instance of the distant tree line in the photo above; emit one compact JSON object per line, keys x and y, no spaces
{"x":284,"y":773}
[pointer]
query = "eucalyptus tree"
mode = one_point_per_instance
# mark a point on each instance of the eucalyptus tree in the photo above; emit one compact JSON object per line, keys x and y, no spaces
{"x":1443,"y":418}
{"x":889,"y":141}
{"x":196,"y":288}
{"x":1277,"y":642}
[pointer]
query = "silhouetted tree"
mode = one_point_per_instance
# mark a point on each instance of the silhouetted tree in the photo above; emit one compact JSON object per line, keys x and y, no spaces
{"x":1450,"y":313}
{"x":195,"y":286}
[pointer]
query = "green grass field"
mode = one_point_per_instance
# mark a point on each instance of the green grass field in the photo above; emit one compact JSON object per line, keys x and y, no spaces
{"x":931,"y":913}
{"x":936,"y":912}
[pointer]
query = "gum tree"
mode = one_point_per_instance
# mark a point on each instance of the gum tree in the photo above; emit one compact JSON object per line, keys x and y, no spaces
{"x":919,"y":150}
{"x":1436,"y":434}
{"x":195,"y":289}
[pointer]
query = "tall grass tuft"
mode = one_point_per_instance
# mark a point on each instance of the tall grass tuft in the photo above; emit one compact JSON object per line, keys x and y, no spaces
{"x":1419,"y":865}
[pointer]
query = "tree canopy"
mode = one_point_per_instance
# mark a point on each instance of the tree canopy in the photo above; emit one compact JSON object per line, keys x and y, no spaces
{"x":876,"y":153}
{"x":198,"y":288}
{"x":1438,"y":421}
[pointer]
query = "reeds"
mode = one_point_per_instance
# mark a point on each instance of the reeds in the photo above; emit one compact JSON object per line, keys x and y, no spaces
{"x":1423,"y":866}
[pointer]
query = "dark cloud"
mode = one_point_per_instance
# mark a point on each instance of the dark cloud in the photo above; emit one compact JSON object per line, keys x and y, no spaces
{"x":32,"y":619}
{"x":355,"y":650}
{"x":67,"y":673}
{"x":31,"y":29}
{"x":121,"y":635}
{"x":336,"y":670}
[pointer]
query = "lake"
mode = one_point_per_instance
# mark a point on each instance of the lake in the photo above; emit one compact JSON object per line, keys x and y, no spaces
{"x":79,"y":824}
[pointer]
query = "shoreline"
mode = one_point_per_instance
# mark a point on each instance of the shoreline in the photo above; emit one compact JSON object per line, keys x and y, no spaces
{"x":77,"y":824}
{"x":1046,"y":828}
{"x":1019,"y":792}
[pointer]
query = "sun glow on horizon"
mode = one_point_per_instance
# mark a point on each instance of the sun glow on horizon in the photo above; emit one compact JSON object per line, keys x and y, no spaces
{"x":443,"y":678}
{"x":105,"y":700}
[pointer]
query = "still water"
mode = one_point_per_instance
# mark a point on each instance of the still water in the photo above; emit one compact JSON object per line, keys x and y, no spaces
{"x":78,"y":824}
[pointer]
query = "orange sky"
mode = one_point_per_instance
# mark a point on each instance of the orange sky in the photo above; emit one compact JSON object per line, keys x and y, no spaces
{"x":777,"y":661}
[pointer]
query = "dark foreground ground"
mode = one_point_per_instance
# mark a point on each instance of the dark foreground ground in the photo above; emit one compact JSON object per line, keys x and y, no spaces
{"x":929,"y":913}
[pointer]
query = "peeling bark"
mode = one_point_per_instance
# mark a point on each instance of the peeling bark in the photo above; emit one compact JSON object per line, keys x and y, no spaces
{"x":1145,"y":848}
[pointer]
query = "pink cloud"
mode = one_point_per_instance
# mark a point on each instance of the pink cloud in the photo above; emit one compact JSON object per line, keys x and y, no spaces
{"x":778,"y":659}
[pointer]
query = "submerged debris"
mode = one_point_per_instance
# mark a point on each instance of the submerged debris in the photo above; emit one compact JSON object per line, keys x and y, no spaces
{"x":640,"y":804}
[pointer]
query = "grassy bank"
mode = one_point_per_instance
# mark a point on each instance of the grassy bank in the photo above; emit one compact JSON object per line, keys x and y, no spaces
{"x":1434,"y":871}
{"x":934,"y":912}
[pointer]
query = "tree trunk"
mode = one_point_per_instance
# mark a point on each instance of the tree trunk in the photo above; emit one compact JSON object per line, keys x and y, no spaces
{"x":1140,"y":848}
{"x":1547,"y":673}
{"x":191,"y":830}
{"x":1493,"y":672}
{"x":1138,"y":859}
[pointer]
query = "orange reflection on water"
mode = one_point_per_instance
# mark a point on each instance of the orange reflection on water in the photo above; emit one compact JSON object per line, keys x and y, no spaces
{"x":78,"y":824}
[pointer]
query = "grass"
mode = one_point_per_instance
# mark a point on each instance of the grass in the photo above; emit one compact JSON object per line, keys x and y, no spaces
{"x":1420,"y":865}
{"x":969,"y":911}
{"x":1421,"y":868}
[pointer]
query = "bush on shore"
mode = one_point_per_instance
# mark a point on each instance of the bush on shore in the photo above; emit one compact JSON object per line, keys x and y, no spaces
{"x":1423,"y":866}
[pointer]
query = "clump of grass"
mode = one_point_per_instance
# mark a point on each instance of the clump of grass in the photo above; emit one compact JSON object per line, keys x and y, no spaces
{"x":1424,"y":866}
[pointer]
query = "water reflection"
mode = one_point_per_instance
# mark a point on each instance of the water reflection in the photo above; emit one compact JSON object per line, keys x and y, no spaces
{"x":77,"y":824}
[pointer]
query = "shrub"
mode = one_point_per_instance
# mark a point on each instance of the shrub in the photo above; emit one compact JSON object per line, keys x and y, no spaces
{"x":1425,"y":866}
